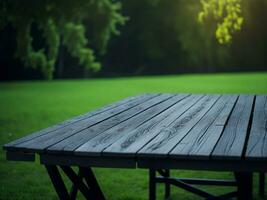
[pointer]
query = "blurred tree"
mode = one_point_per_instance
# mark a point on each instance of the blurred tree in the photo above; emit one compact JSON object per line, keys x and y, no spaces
{"x":164,"y":37}
{"x":160,"y":37}
{"x":60,"y":21}
{"x":227,"y":14}
{"x":249,"y":45}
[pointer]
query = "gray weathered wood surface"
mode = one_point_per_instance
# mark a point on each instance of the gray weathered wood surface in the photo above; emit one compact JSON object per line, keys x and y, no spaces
{"x":257,"y":142}
{"x":169,"y":128}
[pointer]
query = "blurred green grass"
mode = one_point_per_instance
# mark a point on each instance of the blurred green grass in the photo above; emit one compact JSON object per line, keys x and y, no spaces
{"x":29,"y":106}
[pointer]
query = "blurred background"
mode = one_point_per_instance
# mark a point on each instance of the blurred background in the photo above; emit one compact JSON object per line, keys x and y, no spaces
{"x":130,"y":38}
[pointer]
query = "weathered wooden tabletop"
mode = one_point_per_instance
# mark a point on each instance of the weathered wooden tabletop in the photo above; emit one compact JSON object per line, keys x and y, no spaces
{"x":198,"y":131}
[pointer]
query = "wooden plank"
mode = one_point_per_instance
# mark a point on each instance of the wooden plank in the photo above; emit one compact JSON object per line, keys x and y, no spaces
{"x":43,"y":141}
{"x":85,"y":161}
{"x":207,"y":165}
{"x":73,"y":120}
{"x":96,"y":145}
{"x":130,"y":143}
{"x":257,"y":142}
{"x":169,"y":136}
{"x":71,"y":143}
{"x":200,"y":141}
{"x":231,"y":143}
{"x":20,"y":156}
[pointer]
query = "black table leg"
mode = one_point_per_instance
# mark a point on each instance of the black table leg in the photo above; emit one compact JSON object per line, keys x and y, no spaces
{"x":244,"y":185}
{"x":166,"y":174}
{"x":167,"y":185}
{"x":74,"y":188}
{"x":90,"y":189}
{"x":261,"y":183}
{"x":152,"y":184}
{"x":78,"y":182}
{"x":57,"y":182}
{"x":91,"y":181}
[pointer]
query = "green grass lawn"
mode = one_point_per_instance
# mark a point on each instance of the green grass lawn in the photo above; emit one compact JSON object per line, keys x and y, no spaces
{"x":29,"y":106}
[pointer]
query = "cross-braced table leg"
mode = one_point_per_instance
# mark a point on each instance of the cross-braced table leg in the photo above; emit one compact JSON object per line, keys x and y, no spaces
{"x":152,"y":183}
{"x":243,"y":182}
{"x":92,"y":182}
{"x":90,"y":190}
{"x":74,"y":188}
{"x":166,"y":174}
{"x":57,"y":182}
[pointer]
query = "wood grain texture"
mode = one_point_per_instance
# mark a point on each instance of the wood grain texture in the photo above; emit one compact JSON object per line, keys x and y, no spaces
{"x":231,"y":143}
{"x":169,"y":136}
{"x":201,"y":140}
{"x":73,"y":120}
{"x":257,"y":142}
{"x":43,"y":141}
{"x":193,"y":131}
{"x":96,"y":145}
{"x":71,"y":143}
{"x":130,"y":143}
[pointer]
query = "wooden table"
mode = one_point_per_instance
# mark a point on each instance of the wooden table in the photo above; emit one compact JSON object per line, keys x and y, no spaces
{"x":158,"y":132}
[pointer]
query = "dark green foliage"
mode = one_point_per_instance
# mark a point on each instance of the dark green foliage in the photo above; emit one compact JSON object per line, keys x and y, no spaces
{"x":227,"y":14}
{"x":57,"y":19}
{"x":165,"y":37}
{"x":159,"y":37}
